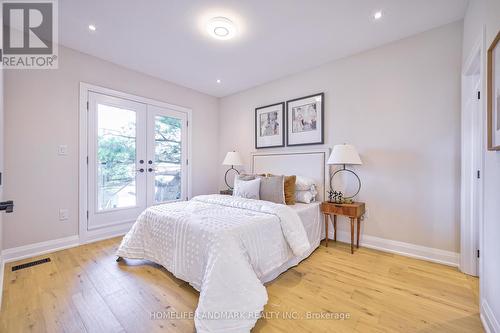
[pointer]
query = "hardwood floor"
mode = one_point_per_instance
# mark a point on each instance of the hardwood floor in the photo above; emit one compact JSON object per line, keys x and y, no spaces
{"x":83,"y":289}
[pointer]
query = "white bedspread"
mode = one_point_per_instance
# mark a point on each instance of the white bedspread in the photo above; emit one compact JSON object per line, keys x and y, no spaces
{"x":221,"y":245}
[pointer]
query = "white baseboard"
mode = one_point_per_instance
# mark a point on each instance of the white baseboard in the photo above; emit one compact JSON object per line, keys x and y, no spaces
{"x":32,"y":250}
{"x":490,"y":323}
{"x":36,"y":249}
{"x":105,"y":233}
{"x":405,"y":249}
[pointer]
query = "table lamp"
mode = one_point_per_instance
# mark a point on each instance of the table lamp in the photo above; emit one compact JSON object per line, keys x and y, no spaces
{"x":232,"y":158}
{"x":345,"y":155}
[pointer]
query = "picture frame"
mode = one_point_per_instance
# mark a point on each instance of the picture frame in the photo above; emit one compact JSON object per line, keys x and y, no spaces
{"x":270,"y":126}
{"x":493,"y":94}
{"x":305,"y":120}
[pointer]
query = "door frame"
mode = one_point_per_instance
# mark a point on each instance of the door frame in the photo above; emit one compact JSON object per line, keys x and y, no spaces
{"x":472,"y":188}
{"x":86,"y":235}
{"x":2,"y":174}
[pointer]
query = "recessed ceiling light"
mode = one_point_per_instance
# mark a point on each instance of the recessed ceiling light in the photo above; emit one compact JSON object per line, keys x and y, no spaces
{"x":377,"y":15}
{"x":221,"y":28}
{"x":92,"y":27}
{"x":218,"y":81}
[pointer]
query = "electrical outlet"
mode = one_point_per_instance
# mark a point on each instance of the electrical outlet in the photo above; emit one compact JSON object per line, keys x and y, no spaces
{"x":62,"y":150}
{"x":63,"y":214}
{"x":367,"y":214}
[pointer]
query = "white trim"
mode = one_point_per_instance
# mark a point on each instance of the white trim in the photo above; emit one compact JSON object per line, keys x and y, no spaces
{"x":37,"y":249}
{"x":89,"y":235}
{"x":405,"y":249}
{"x":106,"y":233}
{"x":32,"y":250}
{"x":132,"y":97}
{"x":481,"y":207}
{"x":490,"y":322}
{"x":82,"y":163}
{"x":471,"y":210}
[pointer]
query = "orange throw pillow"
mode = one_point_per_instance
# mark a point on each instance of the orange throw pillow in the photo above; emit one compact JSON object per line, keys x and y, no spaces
{"x":290,"y":190}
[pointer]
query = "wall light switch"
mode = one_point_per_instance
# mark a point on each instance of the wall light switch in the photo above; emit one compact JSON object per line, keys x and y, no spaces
{"x":63,"y":214}
{"x":62,"y":150}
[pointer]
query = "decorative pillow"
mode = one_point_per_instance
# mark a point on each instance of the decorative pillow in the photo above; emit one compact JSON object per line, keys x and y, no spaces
{"x":272,"y":188}
{"x":248,"y":176}
{"x":247,"y":188}
{"x":290,"y":190}
{"x":305,"y":196}
{"x":303,"y":183}
{"x":314,"y":192}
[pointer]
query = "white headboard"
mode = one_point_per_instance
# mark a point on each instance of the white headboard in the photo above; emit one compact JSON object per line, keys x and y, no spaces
{"x":310,"y":164}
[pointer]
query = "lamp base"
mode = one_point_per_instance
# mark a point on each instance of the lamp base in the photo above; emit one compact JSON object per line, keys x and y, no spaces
{"x":225,"y":176}
{"x":352,"y":172}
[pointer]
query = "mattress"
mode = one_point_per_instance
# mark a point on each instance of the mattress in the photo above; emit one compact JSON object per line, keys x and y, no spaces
{"x":310,"y":216}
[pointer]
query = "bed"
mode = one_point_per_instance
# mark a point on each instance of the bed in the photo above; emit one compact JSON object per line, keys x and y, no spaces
{"x":228,"y":247}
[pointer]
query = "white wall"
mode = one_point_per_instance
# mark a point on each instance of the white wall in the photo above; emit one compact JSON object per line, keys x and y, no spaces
{"x":41,"y":112}
{"x":400,"y":106}
{"x":487,"y":13}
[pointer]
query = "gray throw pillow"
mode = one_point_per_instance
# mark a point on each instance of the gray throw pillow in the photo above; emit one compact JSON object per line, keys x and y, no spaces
{"x":272,"y":188}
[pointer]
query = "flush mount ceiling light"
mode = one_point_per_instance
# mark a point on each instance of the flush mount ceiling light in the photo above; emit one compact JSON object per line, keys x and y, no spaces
{"x":377,"y":15}
{"x":218,"y":81}
{"x":92,"y":27}
{"x":221,"y":28}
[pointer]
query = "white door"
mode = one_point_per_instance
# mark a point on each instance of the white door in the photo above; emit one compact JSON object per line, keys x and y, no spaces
{"x":116,"y":160}
{"x":137,"y":157}
{"x":477,"y":165}
{"x":167,"y":155}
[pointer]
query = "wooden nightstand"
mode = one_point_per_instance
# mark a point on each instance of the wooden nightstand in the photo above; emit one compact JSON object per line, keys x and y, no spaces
{"x":353,"y":211}
{"x":226,"y":192}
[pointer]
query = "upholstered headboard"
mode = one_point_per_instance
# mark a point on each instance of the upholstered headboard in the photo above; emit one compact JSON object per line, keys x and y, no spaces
{"x":311,"y":164}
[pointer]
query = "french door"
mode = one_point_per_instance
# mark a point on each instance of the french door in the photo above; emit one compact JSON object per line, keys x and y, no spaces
{"x":137,"y":157}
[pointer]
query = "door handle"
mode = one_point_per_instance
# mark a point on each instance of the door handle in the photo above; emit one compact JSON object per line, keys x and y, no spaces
{"x":8,"y":206}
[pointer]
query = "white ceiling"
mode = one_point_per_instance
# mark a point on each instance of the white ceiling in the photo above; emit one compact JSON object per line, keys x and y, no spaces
{"x":166,"y":38}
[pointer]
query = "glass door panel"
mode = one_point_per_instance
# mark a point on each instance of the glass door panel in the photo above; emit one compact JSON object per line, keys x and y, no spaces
{"x":116,"y":156}
{"x":167,"y":159}
{"x":117,"y":177}
{"x":168,"y":155}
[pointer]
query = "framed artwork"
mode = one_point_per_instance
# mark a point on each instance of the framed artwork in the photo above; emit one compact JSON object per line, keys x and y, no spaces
{"x":493,"y":102}
{"x":305,"y":120}
{"x":270,"y":126}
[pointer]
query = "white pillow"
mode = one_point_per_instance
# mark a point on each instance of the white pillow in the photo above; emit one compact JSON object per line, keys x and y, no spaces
{"x":247,"y":188}
{"x":305,"y":196}
{"x":303,"y":183}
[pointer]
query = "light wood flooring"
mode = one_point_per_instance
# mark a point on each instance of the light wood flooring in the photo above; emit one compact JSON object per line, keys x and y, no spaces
{"x":83,"y":289}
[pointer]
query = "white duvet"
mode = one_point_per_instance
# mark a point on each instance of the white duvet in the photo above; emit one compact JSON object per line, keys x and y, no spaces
{"x":222,"y":246}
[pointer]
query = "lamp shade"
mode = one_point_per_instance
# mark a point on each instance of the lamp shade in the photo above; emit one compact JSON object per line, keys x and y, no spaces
{"x":233,"y":158}
{"x":344,"y":154}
